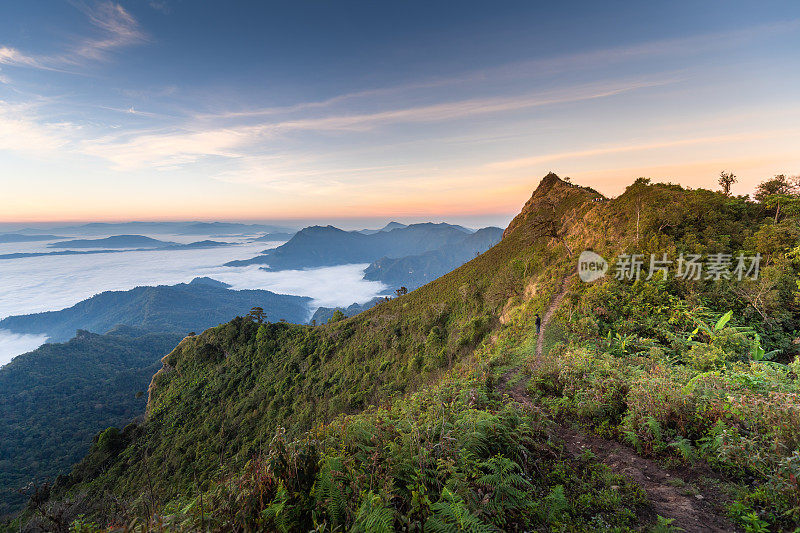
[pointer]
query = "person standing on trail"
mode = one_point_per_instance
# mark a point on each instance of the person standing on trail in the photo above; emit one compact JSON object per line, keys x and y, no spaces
{"x":538,"y":324}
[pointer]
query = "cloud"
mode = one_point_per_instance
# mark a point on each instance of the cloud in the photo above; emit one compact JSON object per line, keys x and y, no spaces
{"x":160,"y":5}
{"x":50,"y":283}
{"x":313,"y":175}
{"x":117,"y":29}
{"x":247,"y":140}
{"x":131,"y":110}
{"x":19,"y":132}
{"x":168,"y":150}
{"x":464,"y":108}
{"x":14,"y":344}
{"x":524,"y":162}
{"x":183,"y":145}
{"x":542,"y":67}
{"x":12,"y":56}
{"x":648,"y":50}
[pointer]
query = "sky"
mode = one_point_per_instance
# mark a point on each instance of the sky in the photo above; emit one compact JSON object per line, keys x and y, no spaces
{"x":213,"y":110}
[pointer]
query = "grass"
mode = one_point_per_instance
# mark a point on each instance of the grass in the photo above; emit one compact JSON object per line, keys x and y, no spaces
{"x":394,"y":416}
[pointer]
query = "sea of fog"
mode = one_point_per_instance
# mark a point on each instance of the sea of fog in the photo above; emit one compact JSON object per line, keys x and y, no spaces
{"x":49,"y":283}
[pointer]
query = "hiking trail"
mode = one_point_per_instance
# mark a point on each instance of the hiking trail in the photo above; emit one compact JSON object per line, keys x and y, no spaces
{"x":548,"y":314}
{"x":667,"y":494}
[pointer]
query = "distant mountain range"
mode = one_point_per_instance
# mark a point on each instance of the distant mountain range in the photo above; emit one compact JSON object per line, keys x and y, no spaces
{"x":388,"y":227}
{"x":176,"y":228}
{"x":21,"y":255}
{"x":323,"y":314}
{"x":18,"y":237}
{"x":413,"y":271}
{"x":271,"y":237}
{"x":399,"y":255}
{"x":137,"y":242}
{"x":115,"y":244}
{"x":178,"y":308}
{"x":320,"y":246}
{"x":197,"y":245}
{"x":115,"y":241}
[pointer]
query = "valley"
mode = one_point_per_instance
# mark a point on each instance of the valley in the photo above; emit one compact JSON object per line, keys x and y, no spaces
{"x":443,"y":406}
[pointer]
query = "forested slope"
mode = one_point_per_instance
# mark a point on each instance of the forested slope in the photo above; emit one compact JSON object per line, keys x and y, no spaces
{"x":54,"y":400}
{"x":400,"y":416}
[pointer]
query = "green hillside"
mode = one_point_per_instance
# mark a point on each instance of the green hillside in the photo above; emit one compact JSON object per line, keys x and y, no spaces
{"x":181,"y":308}
{"x":55,"y":399}
{"x":643,"y":404}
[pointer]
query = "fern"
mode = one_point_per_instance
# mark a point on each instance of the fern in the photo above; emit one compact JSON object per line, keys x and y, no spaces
{"x":684,"y":447}
{"x":629,"y":435}
{"x":664,"y":525}
{"x":373,"y":516}
{"x":328,"y":491}
{"x":278,"y":511}
{"x":713,"y":442}
{"x":557,"y":504}
{"x":654,"y":428}
{"x":450,"y":514}
{"x":509,"y":489}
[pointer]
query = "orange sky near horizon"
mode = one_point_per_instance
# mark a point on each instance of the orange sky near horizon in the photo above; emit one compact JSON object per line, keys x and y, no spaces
{"x":97,"y":128}
{"x":469,"y":202}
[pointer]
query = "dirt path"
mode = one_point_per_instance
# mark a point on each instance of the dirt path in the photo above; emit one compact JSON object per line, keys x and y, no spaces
{"x":690,"y":512}
{"x":548,"y":315}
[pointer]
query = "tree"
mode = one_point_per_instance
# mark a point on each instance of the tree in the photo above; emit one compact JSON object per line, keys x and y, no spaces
{"x":777,"y":192}
{"x":401,"y":291}
{"x":337,"y":316}
{"x":257,"y":314}
{"x":777,"y":186}
{"x":726,"y":179}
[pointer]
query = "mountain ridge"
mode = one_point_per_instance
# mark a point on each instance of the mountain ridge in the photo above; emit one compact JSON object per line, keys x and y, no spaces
{"x":115,"y":241}
{"x":448,"y":406}
{"x":431,"y":329}
{"x":321,"y":246}
{"x":413,"y":271}
{"x":182,"y":307}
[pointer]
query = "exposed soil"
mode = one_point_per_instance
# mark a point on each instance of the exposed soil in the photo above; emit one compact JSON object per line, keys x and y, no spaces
{"x":668,"y":497}
{"x":548,"y":315}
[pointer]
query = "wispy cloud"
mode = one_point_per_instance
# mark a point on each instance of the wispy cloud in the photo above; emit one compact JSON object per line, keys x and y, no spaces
{"x":524,"y":162}
{"x":187,"y":145}
{"x":169,"y":149}
{"x":538,"y":68}
{"x":131,"y":111}
{"x":20,"y":131}
{"x":117,"y":28}
{"x":418,"y":140}
{"x":313,"y":175}
{"x":160,"y":5}
{"x":466,"y":108}
{"x":674,"y":47}
{"x":12,"y":56}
